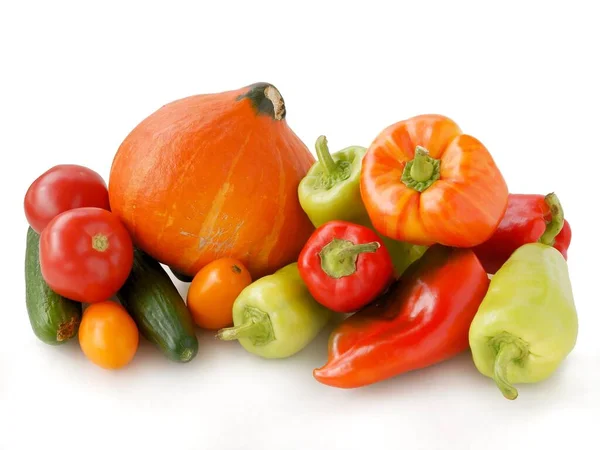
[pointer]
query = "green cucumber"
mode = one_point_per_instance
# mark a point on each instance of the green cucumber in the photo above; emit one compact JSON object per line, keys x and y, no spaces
{"x":53,"y":318}
{"x":158,"y":309}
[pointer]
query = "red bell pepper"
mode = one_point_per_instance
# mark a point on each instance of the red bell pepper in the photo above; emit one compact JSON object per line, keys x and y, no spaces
{"x":345,"y":266}
{"x":423,"y":319}
{"x":528,"y":218}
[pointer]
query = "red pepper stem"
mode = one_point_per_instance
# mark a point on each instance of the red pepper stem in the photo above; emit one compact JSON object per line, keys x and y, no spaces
{"x":338,"y":258}
{"x":557,"y":221}
{"x":506,"y":355}
{"x":357,"y":249}
{"x":329,"y":165}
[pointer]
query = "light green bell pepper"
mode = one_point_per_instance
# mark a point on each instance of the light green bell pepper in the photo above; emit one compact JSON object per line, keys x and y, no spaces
{"x":527,"y":323}
{"x":275,"y":316}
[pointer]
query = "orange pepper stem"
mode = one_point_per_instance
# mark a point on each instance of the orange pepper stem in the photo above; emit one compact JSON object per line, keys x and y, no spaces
{"x":329,"y":165}
{"x":556,"y":223}
{"x":422,"y":168}
{"x":422,"y":171}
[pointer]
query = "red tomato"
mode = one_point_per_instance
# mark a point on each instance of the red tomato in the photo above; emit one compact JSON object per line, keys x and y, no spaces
{"x":86,"y":254}
{"x":61,"y":188}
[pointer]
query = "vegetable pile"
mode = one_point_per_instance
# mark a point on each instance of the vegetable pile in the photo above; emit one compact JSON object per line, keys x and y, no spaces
{"x":415,"y":242}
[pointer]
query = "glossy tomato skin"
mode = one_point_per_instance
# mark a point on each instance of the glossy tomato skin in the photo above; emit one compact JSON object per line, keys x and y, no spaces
{"x":214,"y":289}
{"x":108,"y":336}
{"x":61,"y":188}
{"x":86,"y":254}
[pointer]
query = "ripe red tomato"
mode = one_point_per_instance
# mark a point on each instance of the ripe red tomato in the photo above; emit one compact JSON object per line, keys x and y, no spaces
{"x":61,"y":188}
{"x":86,"y":254}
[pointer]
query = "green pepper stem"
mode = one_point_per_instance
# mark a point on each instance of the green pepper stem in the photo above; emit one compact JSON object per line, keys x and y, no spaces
{"x":555,"y":225}
{"x":507,"y":354}
{"x":240,"y":331}
{"x":329,"y":165}
{"x":422,"y":168}
{"x":256,"y":327}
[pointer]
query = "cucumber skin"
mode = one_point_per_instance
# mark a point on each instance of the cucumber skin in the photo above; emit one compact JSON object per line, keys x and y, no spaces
{"x":158,"y":309}
{"x":53,"y":318}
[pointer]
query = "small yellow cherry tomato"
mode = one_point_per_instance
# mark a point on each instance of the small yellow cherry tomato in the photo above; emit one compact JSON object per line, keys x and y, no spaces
{"x":214,"y":289}
{"x":108,"y":336}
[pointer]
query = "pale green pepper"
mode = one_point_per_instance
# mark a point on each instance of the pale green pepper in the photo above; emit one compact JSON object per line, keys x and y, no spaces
{"x":527,"y":323}
{"x":275,"y":316}
{"x":331,"y":187}
{"x":331,"y":191}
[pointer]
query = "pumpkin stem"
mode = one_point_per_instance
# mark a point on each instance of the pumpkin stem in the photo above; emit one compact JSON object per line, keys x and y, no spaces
{"x":265,"y":99}
{"x":278,"y":106}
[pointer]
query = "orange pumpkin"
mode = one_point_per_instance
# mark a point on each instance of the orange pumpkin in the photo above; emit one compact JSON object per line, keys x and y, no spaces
{"x":212,"y":176}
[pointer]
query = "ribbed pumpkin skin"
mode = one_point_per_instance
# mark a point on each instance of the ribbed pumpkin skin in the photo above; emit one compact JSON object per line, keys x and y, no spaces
{"x":213,"y":175}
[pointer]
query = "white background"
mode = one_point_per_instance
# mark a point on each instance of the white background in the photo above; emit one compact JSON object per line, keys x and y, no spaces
{"x":76,"y":77}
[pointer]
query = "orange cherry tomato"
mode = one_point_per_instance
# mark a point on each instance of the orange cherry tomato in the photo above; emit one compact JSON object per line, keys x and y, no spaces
{"x":214,"y":289}
{"x":108,"y":336}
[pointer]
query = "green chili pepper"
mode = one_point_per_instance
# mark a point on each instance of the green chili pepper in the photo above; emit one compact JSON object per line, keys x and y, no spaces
{"x":275,"y":316}
{"x":527,"y":323}
{"x":331,"y":191}
{"x":331,"y":187}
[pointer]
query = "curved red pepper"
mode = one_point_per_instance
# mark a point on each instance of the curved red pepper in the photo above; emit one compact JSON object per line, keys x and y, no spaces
{"x":528,"y":218}
{"x":345,"y":266}
{"x":423,"y":319}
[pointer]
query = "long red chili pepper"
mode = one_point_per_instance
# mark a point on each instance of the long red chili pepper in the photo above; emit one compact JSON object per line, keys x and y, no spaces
{"x":528,"y":218}
{"x":423,"y":319}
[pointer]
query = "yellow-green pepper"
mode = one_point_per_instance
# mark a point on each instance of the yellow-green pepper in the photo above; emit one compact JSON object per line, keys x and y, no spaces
{"x":275,"y":316}
{"x":331,"y":191}
{"x":527,"y":323}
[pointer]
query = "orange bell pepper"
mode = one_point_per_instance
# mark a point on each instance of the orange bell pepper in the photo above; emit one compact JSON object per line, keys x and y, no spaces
{"x":425,"y":182}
